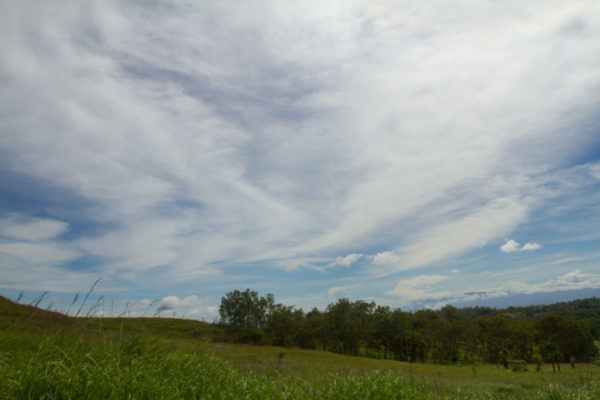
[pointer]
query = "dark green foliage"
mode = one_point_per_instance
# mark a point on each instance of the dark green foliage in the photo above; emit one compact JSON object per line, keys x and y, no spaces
{"x":245,"y":308}
{"x":284,"y":324}
{"x":518,"y":365}
{"x":446,"y":336}
{"x":587,"y":310}
{"x":538,"y":361}
{"x":562,"y":338}
{"x":347,"y":324}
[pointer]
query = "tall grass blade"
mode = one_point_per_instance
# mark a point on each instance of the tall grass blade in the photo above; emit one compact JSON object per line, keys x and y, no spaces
{"x":73,"y":302}
{"x":36,"y":302}
{"x":126,"y":308}
{"x":149,"y":305}
{"x":95,"y":306}
{"x":88,"y":295}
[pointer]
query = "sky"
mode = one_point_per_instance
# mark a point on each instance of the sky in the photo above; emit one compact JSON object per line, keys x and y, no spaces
{"x":404,"y":152}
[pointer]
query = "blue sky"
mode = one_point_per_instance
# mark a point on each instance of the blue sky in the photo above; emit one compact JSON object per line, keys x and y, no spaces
{"x":411,"y":153}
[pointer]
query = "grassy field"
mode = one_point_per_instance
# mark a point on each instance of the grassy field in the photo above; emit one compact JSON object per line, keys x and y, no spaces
{"x":47,"y":355}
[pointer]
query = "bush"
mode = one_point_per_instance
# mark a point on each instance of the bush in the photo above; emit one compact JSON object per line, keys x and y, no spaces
{"x":538,"y":361}
{"x":518,"y":365}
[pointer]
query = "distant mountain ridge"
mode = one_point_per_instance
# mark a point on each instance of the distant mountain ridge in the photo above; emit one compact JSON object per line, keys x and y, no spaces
{"x":579,"y":308}
{"x":587,"y":310}
{"x":511,"y":300}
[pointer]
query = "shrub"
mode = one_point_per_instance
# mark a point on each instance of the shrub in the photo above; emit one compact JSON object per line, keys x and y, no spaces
{"x":538,"y":361}
{"x":518,"y":365}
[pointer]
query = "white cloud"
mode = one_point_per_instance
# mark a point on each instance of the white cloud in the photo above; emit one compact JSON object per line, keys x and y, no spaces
{"x":336,"y":290}
{"x":20,"y":227}
{"x":205,"y":136}
{"x":531,"y":246}
{"x":570,"y":281}
{"x":27,"y":242}
{"x":424,"y":280}
{"x":447,"y":239}
{"x":43,"y":275}
{"x":187,"y":307}
{"x":37,"y":253}
{"x":595,"y":170}
{"x":452,"y":236}
{"x":172,"y":302}
{"x":568,"y":260}
{"x":386,"y":258}
{"x":416,"y":287}
{"x":346,"y":261}
{"x":573,"y":280}
{"x":511,"y":246}
{"x":296,"y":264}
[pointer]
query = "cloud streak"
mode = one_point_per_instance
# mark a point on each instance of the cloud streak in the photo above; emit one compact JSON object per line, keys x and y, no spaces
{"x":415,"y":287}
{"x":190,"y":307}
{"x":33,"y":229}
{"x":422,"y":290}
{"x":202,"y":138}
{"x":346,"y":261}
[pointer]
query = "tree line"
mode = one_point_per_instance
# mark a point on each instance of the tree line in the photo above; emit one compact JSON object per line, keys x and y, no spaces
{"x":448,"y":335}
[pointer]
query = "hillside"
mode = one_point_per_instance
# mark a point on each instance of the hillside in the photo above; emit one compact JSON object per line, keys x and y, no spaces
{"x":48,"y":355}
{"x":584,"y":309}
{"x":581,"y":308}
{"x":32,"y":319}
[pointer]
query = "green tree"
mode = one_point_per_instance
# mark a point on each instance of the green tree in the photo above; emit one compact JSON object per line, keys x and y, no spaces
{"x":282,"y":324}
{"x":316,"y":335}
{"x":381,"y":331}
{"x":494,"y":338}
{"x":245,"y":309}
{"x":451,"y":329}
{"x":550,"y":335}
{"x":399,"y":324}
{"x":522,"y":335}
{"x":343,"y":330}
{"x":538,"y":361}
{"x":562,"y":338}
{"x":348,"y":325}
{"x":551,"y":353}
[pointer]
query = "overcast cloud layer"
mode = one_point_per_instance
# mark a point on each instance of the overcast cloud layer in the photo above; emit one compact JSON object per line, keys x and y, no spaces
{"x":311,"y":149}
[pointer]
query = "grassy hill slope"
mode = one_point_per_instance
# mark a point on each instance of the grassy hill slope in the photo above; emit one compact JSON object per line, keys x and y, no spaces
{"x":44,"y":354}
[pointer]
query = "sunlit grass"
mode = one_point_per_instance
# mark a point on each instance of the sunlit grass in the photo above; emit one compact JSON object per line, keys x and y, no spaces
{"x":315,"y":366}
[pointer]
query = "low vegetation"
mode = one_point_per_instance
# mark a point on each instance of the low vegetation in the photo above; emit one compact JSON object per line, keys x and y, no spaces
{"x":49,"y":355}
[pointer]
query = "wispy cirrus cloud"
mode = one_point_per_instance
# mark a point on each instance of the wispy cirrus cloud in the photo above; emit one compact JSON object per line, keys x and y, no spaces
{"x":198,"y":138}
{"x":422,"y":290}
{"x":20,"y":227}
{"x":336,"y":291}
{"x":33,"y":242}
{"x":346,"y":261}
{"x":416,"y":287}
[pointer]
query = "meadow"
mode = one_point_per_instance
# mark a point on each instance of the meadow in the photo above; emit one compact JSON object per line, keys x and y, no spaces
{"x":46,"y":355}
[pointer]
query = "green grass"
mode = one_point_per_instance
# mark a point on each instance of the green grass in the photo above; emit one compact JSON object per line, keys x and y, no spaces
{"x":440,"y":380}
{"x":50,"y":356}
